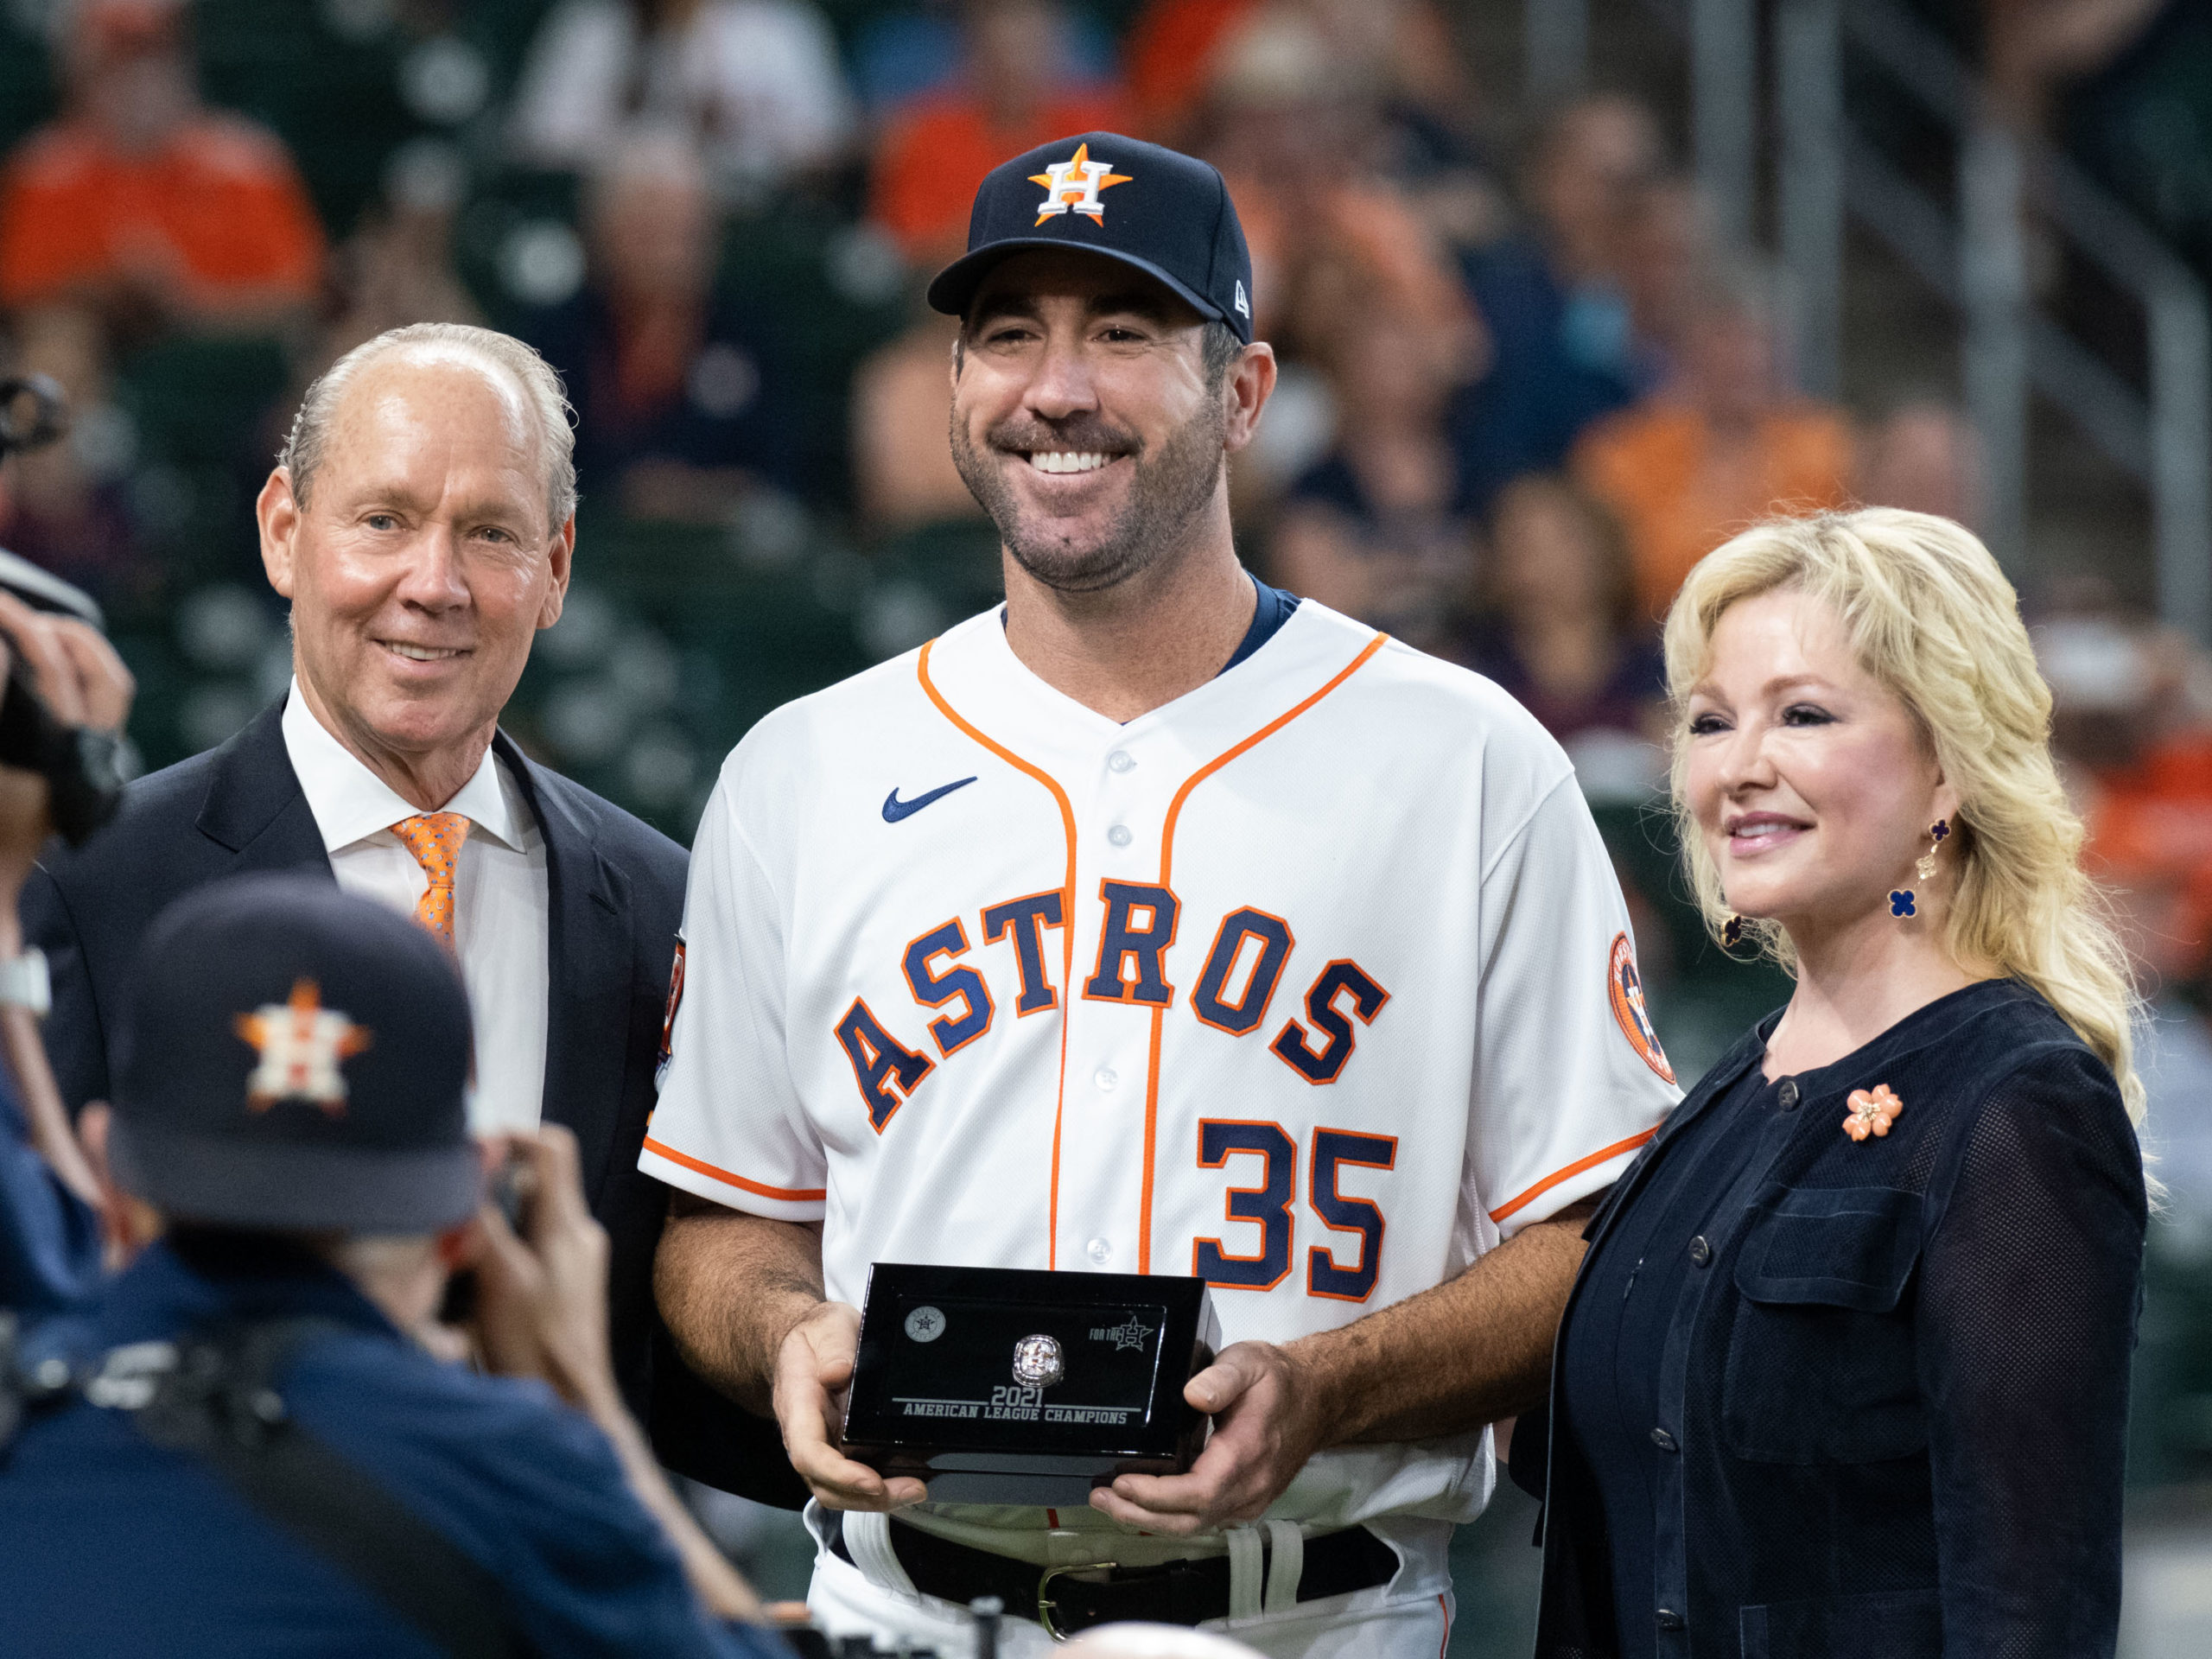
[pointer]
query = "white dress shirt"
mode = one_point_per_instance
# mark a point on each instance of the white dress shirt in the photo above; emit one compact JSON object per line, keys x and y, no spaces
{"x":501,"y":901}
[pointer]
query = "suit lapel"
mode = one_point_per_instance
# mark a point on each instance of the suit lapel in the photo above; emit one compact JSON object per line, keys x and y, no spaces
{"x":587,"y":977}
{"x":254,"y":806}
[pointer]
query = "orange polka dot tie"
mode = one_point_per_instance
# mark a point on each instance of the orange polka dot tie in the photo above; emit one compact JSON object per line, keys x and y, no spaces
{"x":435,"y":839}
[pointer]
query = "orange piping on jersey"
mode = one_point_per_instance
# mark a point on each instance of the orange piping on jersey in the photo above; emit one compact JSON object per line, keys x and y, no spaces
{"x":788,"y":1194}
{"x":1067,"y":930}
{"x":1166,"y":869}
{"x":1571,"y":1171}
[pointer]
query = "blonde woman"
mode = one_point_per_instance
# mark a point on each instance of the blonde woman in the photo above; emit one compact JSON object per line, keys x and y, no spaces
{"x":1845,"y":1369}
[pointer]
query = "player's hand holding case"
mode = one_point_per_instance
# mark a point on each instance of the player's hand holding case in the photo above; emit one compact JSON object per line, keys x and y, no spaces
{"x":1001,"y":1385}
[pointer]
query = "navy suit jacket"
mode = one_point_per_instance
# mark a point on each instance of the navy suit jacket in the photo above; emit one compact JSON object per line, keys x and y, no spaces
{"x":615,"y":887}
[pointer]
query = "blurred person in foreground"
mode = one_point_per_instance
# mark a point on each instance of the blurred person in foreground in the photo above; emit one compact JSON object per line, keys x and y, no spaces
{"x":162,"y":213}
{"x":1015,"y":93}
{"x":676,"y":389}
{"x":288,"y":1150}
{"x":1845,"y":1369}
{"x":421,"y":522}
{"x":756,"y":84}
{"x":1725,"y":444}
{"x":50,"y":1248}
{"x":1558,"y":627}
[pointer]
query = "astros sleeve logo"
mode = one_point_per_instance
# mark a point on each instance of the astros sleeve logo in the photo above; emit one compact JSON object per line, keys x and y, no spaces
{"x":301,"y":1043}
{"x":1625,"y":985}
{"x":1075,"y":184}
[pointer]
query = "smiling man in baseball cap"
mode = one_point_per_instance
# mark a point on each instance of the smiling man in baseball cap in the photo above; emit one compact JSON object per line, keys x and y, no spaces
{"x":1141,"y":248}
{"x":1163,"y":850}
{"x":250,"y":1442}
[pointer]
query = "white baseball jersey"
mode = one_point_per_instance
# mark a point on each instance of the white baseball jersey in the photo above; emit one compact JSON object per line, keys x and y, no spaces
{"x":1315,"y":983}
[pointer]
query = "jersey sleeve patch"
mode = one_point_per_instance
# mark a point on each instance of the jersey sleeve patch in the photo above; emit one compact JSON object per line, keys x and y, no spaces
{"x":667,"y":1020}
{"x":1625,"y":989}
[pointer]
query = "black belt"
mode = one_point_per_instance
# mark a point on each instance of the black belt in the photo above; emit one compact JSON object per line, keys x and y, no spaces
{"x":1068,"y":1599}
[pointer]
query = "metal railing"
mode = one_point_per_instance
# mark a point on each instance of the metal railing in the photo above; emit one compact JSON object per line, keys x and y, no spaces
{"x":1970,"y":252}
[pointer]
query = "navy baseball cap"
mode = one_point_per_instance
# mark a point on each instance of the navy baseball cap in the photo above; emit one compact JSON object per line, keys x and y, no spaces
{"x":1165,"y":213}
{"x":296,"y":1059}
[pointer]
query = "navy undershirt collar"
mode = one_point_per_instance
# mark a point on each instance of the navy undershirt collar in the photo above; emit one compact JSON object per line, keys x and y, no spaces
{"x":1273,"y":609}
{"x":1268,"y":617}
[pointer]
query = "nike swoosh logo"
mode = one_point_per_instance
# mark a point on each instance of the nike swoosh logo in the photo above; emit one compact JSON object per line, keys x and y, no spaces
{"x":894,"y":808}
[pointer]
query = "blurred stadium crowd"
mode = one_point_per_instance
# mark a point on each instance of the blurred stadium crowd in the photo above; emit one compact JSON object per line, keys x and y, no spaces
{"x":1525,"y":386}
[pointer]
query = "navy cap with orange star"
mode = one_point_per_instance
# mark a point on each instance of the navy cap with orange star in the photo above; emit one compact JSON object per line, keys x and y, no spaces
{"x":1166,"y":214}
{"x":296,"y":1058}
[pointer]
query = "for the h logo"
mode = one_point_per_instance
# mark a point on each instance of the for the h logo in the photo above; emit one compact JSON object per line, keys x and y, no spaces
{"x":1073,"y":186}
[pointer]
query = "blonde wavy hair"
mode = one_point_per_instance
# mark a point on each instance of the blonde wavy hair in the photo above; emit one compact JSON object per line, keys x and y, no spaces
{"x":1930,"y":616}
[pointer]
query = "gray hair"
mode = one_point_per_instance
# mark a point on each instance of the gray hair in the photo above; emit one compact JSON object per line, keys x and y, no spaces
{"x":501,"y":353}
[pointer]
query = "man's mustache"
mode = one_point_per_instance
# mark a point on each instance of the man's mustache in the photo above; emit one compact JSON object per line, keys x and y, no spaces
{"x":1078,"y":435}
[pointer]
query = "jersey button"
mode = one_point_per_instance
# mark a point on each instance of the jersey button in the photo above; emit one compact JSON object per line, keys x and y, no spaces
{"x":1119,"y":835}
{"x":1663,"y":1439}
{"x":1102,"y":1251}
{"x":1701,"y":1252}
{"x":1788,"y":1093}
{"x":1121,"y":760}
{"x":1670,"y":1619}
{"x":1107,"y":1078}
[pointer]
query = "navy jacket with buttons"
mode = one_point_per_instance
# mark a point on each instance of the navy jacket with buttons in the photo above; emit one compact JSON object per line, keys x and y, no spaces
{"x":1897,"y":1384}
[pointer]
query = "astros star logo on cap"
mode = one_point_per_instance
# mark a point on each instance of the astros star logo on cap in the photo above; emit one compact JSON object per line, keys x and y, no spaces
{"x":1074,"y":185}
{"x":301,"y":1043}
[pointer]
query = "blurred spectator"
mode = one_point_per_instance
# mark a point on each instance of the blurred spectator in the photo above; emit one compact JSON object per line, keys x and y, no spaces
{"x":1925,"y":457}
{"x":397,"y":267}
{"x":1399,"y":55}
{"x":66,"y":506}
{"x":1377,"y":529}
{"x":1667,"y":250}
{"x":1726,"y":445}
{"x":2033,"y":45}
{"x":1171,"y":55}
{"x":1558,"y":628}
{"x":755,"y":83}
{"x":140,"y":199}
{"x":1013,"y":95}
{"x":903,"y":474}
{"x":674,"y":391}
{"x":1298,"y":137}
{"x":1557,"y":303}
{"x":2132,"y":714}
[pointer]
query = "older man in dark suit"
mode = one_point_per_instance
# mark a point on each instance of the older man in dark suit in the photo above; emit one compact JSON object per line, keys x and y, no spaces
{"x":420,"y":521}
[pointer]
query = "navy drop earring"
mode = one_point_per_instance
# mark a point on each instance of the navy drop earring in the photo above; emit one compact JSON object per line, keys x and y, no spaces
{"x":1901,"y":898}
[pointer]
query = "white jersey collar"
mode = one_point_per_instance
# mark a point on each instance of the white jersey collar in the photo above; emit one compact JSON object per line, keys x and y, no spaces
{"x":973,"y":669}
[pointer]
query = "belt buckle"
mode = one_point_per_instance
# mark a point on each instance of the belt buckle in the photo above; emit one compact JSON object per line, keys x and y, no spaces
{"x":1044,"y":1600}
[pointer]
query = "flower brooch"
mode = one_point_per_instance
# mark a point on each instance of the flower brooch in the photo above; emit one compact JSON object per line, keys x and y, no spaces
{"x":1871,"y":1111}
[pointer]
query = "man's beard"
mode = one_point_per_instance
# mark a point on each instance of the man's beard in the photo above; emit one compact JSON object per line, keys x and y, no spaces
{"x":1171,"y":489}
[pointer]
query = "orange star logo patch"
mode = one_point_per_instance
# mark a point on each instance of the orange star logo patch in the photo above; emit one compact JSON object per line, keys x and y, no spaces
{"x":301,"y":1044}
{"x":1073,"y":185}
